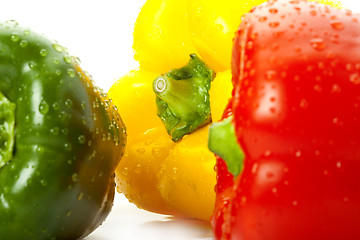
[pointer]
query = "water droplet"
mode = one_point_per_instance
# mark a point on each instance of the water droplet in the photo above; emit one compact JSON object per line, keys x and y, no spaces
{"x":262,"y":19}
{"x":56,"y":106}
{"x":125,"y":171}
{"x":83,"y":120}
{"x":58,"y":47}
{"x":75,"y":177}
{"x":68,"y":213}
{"x":40,"y":149}
{"x":338,"y":164}
{"x":54,"y":131}
{"x":67,"y":146}
{"x":274,"y":24}
{"x":83,"y":105}
{"x":321,"y":65}
{"x":56,"y":61}
{"x":12,"y":22}
{"x":71,"y":72}
{"x":337,"y":121}
{"x":313,"y":12}
{"x":295,"y":203}
{"x":270,"y":74}
{"x":157,"y":152}
{"x":273,"y":10}
{"x":335,"y":39}
{"x":297,"y":49}
{"x":138,"y":169}
{"x":317,"y":88}
{"x":80,"y":196}
{"x":103,"y":137}
{"x":43,"y":52}
{"x":250,"y":45}
{"x":43,"y":107}
{"x":337,"y":25}
{"x":140,"y":150}
{"x":23,"y":43}
{"x":269,"y":175}
{"x":32,"y":65}
{"x":43,"y":182}
{"x":318,"y":44}
{"x":348,"y":12}
{"x":349,"y":67}
{"x":64,"y":131}
{"x":27,"y":32}
{"x":267,"y":153}
{"x":58,"y":72}
{"x":81,"y":139}
{"x":335,"y":88}
{"x":330,"y":54}
{"x":68,"y":59}
{"x":355,"y":78}
{"x":68,"y":103}
{"x":304,"y":103}
{"x":298,"y":154}
{"x":14,"y":37}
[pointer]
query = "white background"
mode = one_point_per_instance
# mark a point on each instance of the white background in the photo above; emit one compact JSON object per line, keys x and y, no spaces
{"x":100,"y":34}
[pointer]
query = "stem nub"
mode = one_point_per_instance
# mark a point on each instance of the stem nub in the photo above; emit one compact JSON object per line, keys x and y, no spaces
{"x":182,"y":97}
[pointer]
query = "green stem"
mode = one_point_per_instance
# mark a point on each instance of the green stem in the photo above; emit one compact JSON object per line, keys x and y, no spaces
{"x":223,"y":142}
{"x":183,"y":98}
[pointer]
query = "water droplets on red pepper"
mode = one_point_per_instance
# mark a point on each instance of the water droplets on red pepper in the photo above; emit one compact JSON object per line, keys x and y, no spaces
{"x":355,"y":78}
{"x":337,"y":25}
{"x":318,"y":44}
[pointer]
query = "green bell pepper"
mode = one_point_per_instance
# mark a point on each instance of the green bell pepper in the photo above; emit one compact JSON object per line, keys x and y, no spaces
{"x":60,"y":141}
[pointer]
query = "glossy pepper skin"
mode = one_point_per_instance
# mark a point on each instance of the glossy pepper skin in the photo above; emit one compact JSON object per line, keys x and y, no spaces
{"x":295,"y":70}
{"x":59,"y":181}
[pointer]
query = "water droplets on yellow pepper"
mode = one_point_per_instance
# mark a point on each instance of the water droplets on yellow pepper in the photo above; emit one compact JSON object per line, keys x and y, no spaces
{"x":155,"y":173}
{"x":163,"y":40}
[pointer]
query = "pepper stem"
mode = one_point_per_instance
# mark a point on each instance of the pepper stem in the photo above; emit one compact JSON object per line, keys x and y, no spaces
{"x":182,"y":98}
{"x":222,"y":141}
{"x":7,"y":129}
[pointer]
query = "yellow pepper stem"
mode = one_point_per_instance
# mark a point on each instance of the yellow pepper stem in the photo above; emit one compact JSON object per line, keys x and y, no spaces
{"x":182,"y":97}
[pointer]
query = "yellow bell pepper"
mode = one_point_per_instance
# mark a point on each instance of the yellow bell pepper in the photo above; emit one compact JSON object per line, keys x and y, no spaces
{"x":157,"y":174}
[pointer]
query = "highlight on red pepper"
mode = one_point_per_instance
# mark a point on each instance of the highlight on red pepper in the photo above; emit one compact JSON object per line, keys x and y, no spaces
{"x":61,"y":140}
{"x":295,"y":115}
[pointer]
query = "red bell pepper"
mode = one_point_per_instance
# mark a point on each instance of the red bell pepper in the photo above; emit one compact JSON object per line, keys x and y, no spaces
{"x":296,"y":117}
